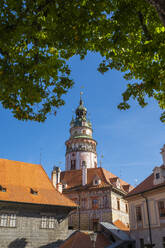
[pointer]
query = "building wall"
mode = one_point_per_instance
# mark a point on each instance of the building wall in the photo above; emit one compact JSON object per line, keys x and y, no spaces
{"x":28,"y":232}
{"x":89,"y":157}
{"x":157,"y":234}
{"x":121,"y":213}
{"x":105,"y":212}
{"x":140,"y":229}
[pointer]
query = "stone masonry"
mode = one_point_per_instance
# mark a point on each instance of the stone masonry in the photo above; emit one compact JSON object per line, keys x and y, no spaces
{"x":28,"y":232}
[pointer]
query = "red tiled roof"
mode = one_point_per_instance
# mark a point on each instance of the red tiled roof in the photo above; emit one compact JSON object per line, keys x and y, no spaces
{"x":82,"y":240}
{"x":73,"y":178}
{"x":19,"y":178}
{"x":146,"y":185}
{"x":121,"y":225}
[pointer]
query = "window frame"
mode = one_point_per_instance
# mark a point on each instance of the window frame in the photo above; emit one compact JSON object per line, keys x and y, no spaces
{"x":161,"y":210}
{"x":157,"y":175}
{"x":2,"y":189}
{"x":105,"y":201}
{"x":8,"y":220}
{"x":48,"y":222}
{"x":141,"y":240}
{"x":163,"y":241}
{"x":95,"y":203}
{"x":83,"y":203}
{"x":118,"y":204}
{"x":73,"y":164}
{"x":126,"y":208}
{"x":138,"y":213}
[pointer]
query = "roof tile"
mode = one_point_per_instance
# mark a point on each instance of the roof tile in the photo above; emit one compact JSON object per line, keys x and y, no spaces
{"x":73,"y":178}
{"x":146,"y":185}
{"x":19,"y":178}
{"x":82,"y":239}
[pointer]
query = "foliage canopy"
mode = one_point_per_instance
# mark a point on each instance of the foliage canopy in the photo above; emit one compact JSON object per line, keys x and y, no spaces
{"x":38,"y":38}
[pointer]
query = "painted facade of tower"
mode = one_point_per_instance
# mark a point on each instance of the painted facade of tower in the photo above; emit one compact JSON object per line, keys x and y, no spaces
{"x":80,"y":146}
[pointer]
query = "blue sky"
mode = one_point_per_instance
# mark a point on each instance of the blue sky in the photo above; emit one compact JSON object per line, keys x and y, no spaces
{"x":130,"y":141}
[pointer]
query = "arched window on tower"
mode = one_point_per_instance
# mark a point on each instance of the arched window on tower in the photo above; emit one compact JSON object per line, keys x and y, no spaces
{"x":73,"y":164}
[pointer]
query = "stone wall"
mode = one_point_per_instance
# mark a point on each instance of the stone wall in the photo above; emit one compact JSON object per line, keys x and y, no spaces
{"x":28,"y":232}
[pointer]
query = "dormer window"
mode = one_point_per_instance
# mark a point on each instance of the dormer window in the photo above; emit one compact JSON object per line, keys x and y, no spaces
{"x":2,"y":189}
{"x":64,"y":186}
{"x":157,"y":176}
{"x":33,"y":192}
{"x":96,"y":180}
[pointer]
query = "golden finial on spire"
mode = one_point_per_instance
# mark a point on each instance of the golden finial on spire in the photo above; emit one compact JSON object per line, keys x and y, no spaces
{"x":81,"y":93}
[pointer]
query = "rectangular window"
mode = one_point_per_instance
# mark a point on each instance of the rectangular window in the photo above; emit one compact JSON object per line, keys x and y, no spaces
{"x":138,"y":213}
{"x":83,"y":203}
{"x":126,"y":208}
{"x":33,"y":192}
{"x":73,"y":164}
{"x":48,"y":222}
{"x":105,"y":201}
{"x":157,"y":175}
{"x":161,"y":206}
{"x":95,"y":225}
{"x":163,"y":241}
{"x":7,"y":220}
{"x":95,"y":203}
{"x":3,"y":189}
{"x":141,"y":243}
{"x":118,"y":204}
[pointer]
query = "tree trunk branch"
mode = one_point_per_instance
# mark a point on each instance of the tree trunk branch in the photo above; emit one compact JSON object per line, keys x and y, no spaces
{"x":159,"y":5}
{"x":144,"y":27}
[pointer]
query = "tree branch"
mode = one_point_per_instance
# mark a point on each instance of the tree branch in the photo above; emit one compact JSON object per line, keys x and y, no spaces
{"x":144,"y":27}
{"x":159,"y":5}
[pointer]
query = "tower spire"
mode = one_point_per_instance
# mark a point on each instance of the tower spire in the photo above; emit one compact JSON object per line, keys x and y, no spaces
{"x":80,"y":146}
{"x":81,"y":101}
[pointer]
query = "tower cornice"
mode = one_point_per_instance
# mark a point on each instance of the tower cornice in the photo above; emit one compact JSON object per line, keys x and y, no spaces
{"x":79,"y":139}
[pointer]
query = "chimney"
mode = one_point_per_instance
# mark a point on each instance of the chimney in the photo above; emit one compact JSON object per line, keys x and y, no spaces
{"x":163,"y":154}
{"x":56,"y":176}
{"x":84,"y":173}
{"x":59,"y":187}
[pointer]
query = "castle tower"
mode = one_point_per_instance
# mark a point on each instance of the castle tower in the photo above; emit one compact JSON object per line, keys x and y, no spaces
{"x":80,"y":146}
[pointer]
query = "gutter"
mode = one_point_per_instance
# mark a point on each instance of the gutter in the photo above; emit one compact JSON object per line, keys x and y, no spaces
{"x":79,"y":223}
{"x":140,"y":193}
{"x":149,"y":223}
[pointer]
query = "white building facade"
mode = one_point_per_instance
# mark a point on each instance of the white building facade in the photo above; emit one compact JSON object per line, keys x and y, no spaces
{"x":147,"y":209}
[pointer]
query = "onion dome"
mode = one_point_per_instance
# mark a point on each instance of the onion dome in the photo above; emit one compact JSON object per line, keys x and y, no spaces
{"x":81,"y":116}
{"x":81,"y":112}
